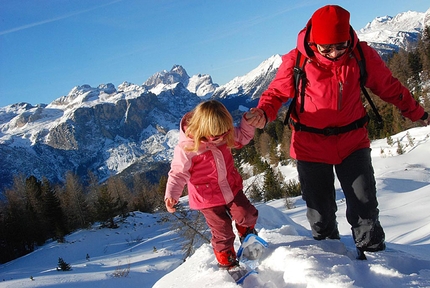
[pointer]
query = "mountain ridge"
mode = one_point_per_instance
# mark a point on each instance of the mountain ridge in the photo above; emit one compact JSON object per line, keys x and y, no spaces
{"x":108,"y":129}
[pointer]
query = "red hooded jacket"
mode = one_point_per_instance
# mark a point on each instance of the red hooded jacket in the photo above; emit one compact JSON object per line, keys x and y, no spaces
{"x":332,"y":99}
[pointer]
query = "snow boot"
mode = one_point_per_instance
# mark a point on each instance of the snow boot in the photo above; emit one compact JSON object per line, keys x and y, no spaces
{"x":226,"y":259}
{"x":245,"y":231}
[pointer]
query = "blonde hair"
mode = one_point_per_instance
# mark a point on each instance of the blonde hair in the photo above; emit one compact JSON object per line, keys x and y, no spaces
{"x":209,"y":118}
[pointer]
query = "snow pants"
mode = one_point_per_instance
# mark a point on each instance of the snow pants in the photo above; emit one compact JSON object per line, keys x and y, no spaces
{"x":219,"y":220}
{"x":357,"y":180}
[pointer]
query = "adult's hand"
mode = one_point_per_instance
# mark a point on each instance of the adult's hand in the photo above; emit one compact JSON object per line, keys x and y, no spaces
{"x":255,"y":117}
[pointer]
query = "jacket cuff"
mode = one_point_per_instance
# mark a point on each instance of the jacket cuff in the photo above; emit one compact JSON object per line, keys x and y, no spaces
{"x":265,"y":117}
{"x":425,"y":116}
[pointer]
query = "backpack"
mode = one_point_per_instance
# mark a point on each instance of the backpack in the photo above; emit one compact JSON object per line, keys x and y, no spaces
{"x":300,"y":78}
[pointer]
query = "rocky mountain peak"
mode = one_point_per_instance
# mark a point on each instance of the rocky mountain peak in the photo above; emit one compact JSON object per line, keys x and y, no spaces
{"x":176,"y":74}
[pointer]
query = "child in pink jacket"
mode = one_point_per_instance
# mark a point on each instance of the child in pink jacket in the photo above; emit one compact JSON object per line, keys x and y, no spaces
{"x":203,"y":161}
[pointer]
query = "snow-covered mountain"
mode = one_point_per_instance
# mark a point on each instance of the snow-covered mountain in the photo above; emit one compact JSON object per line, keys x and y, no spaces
{"x":201,"y":85}
{"x":104,"y":129}
{"x":252,"y":84}
{"x":387,"y":34}
{"x":100,"y":129}
{"x":133,"y":128}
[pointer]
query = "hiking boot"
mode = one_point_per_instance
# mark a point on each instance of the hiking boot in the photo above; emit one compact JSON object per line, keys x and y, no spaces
{"x":381,"y":247}
{"x":245,"y":231}
{"x":372,"y":240}
{"x":334,"y":235}
{"x":226,"y":259}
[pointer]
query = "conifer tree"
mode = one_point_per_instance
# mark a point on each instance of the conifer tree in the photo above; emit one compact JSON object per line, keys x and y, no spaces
{"x":107,"y":207}
{"x":400,"y":148}
{"x":63,"y":265}
{"x":415,"y":66}
{"x":255,"y":193}
{"x":74,"y":202}
{"x":159,"y":190}
{"x":424,"y":53}
{"x":273,"y":152}
{"x":35,"y":227}
{"x":272,"y":185}
{"x":148,"y":197}
{"x":13,"y":234}
{"x":53,"y":212}
{"x":120,"y":191}
{"x":398,"y":67}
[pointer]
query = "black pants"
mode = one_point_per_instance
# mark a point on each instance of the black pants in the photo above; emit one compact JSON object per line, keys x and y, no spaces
{"x":357,"y":180}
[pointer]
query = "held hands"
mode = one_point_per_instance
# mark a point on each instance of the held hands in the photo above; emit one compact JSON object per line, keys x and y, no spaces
{"x":170,"y":204}
{"x":255,"y":117}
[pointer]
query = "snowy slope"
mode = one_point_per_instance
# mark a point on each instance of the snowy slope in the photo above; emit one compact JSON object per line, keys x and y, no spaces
{"x":147,"y":251}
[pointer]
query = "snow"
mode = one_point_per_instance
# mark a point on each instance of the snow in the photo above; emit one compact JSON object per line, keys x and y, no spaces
{"x":202,"y":86}
{"x":163,"y":87}
{"x":146,"y":250}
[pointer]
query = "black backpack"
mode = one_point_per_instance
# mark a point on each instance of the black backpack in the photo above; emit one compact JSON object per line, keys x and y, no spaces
{"x":300,"y":79}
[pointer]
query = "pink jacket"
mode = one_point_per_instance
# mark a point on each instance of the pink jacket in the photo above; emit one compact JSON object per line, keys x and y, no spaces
{"x":333,"y":99}
{"x":209,"y":173}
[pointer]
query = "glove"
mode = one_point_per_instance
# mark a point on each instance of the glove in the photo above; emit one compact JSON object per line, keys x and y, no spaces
{"x":425,"y":120}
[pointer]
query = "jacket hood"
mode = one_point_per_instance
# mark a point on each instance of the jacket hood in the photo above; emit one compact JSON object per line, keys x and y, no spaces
{"x":304,"y":38}
{"x":183,"y":139}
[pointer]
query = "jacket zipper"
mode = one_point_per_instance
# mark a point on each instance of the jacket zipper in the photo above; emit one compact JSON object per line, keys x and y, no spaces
{"x":340,"y":95}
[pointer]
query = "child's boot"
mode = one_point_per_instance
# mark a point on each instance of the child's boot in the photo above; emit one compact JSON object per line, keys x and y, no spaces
{"x":227,"y":258}
{"x":245,"y":231}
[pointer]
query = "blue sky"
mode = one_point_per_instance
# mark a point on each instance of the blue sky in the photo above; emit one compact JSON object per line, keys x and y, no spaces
{"x":47,"y":47}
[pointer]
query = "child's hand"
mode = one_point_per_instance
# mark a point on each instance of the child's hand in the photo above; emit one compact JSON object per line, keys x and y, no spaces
{"x":170,"y":204}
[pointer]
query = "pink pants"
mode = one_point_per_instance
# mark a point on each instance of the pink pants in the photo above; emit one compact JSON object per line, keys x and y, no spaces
{"x":219,"y":220}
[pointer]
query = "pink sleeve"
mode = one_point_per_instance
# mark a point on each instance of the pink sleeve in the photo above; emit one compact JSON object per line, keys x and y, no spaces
{"x":244,"y":133}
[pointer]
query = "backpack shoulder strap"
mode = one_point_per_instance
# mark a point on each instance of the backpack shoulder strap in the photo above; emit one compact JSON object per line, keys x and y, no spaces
{"x":359,"y":56}
{"x":299,"y":74}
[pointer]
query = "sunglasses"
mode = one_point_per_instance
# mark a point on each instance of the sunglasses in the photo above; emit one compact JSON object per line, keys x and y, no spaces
{"x":325,"y":49}
{"x":217,"y":137}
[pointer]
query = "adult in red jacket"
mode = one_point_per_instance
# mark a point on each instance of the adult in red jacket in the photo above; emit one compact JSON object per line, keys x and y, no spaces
{"x":329,"y":123}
